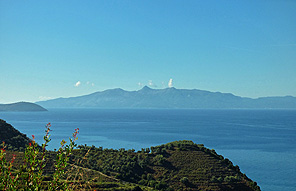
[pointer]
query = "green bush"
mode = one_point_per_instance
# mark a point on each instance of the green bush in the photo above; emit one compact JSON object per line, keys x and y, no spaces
{"x":30,"y":175}
{"x":159,"y":159}
{"x":184,"y":180}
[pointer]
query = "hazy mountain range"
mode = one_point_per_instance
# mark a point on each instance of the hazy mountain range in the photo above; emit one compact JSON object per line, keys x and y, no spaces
{"x":167,"y":98}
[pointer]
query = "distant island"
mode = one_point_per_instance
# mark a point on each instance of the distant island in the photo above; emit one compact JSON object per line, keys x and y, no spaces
{"x":169,"y":98}
{"x":178,"y":165}
{"x":21,"y":106}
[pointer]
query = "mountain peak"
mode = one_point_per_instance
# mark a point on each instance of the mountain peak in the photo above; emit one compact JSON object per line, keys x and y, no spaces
{"x":171,"y":88}
{"x":146,"y":88}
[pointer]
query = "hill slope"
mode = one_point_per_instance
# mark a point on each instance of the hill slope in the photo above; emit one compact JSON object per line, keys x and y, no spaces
{"x":21,"y":106}
{"x":180,"y":165}
{"x":14,"y":140}
{"x":167,"y":98}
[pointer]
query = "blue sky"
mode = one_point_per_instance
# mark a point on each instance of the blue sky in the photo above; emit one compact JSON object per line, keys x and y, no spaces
{"x":247,"y":48}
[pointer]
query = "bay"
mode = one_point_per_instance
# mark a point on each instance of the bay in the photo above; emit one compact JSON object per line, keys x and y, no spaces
{"x":261,"y":142}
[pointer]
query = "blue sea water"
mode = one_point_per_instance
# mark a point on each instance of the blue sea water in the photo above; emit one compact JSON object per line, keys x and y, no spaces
{"x":261,"y":142}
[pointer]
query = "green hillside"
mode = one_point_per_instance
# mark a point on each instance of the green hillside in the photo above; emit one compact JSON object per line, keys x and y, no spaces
{"x":13,"y":139}
{"x":179,"y":165}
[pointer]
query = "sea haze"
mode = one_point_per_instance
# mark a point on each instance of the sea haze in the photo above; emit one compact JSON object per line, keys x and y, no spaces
{"x":261,"y":142}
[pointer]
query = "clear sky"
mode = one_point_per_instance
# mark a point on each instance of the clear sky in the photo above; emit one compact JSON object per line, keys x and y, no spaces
{"x":55,"y":48}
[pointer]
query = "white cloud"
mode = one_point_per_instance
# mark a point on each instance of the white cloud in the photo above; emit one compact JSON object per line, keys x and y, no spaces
{"x":77,"y":84}
{"x":151,"y":84}
{"x":170,"y":84}
{"x":89,"y":83}
{"x":42,"y":98}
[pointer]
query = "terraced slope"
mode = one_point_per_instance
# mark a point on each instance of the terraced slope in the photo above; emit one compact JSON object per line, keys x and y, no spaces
{"x":180,"y":165}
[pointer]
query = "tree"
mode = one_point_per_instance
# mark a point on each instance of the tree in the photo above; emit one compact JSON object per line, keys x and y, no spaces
{"x":184,"y":180}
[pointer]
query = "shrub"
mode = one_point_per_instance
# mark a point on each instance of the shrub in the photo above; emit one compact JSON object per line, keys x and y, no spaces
{"x":220,"y":179}
{"x":159,"y":159}
{"x":30,"y":174}
{"x":161,"y":185}
{"x":231,"y":179}
{"x":214,"y":179}
{"x":184,"y":180}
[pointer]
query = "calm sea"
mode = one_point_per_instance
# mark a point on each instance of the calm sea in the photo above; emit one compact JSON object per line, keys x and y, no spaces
{"x":261,"y":142}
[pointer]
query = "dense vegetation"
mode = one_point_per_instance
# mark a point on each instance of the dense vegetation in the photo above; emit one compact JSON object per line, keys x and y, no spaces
{"x":179,"y":165}
{"x":14,"y":140}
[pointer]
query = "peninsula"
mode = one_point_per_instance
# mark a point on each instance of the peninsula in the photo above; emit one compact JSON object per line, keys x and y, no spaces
{"x":21,"y":106}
